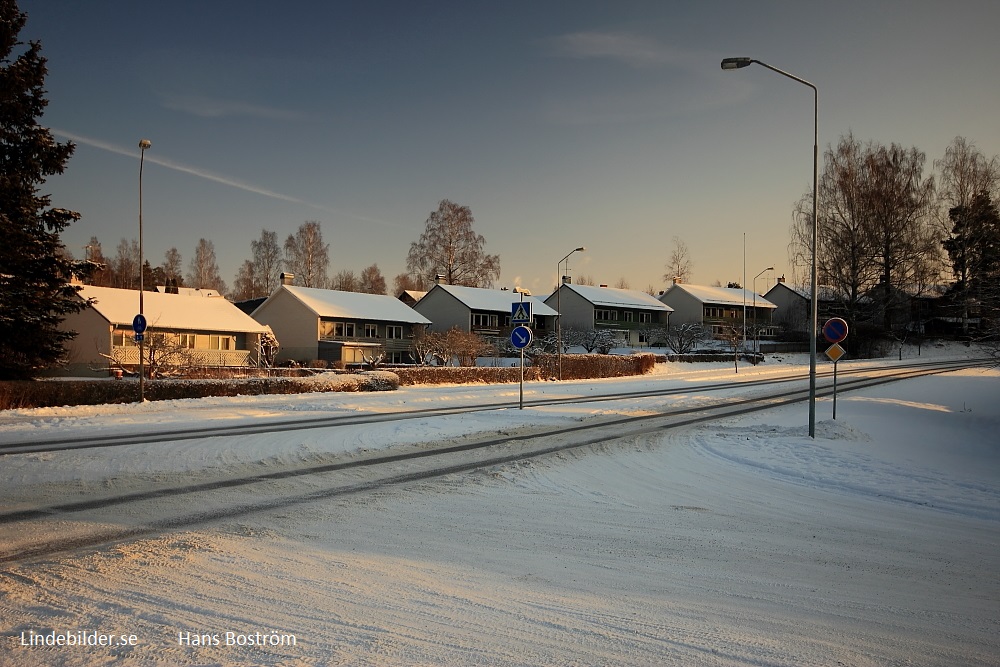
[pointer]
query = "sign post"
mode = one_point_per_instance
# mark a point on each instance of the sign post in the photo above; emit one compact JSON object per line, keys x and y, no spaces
{"x":139,"y":327}
{"x":835,"y":330}
{"x":520,"y":337}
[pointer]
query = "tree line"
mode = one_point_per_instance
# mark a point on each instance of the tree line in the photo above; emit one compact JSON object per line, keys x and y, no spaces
{"x":886,"y":228}
{"x":448,"y":247}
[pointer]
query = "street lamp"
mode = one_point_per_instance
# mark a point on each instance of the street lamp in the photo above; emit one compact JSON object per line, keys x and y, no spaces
{"x":739,"y":63}
{"x":143,"y":145}
{"x":756,"y":330}
{"x":559,"y":278}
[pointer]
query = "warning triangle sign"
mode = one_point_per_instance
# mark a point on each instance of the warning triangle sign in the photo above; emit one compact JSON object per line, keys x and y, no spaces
{"x":520,"y":314}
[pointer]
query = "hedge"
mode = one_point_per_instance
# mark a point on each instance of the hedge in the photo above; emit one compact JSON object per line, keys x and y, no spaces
{"x":51,"y":393}
{"x":575,"y":367}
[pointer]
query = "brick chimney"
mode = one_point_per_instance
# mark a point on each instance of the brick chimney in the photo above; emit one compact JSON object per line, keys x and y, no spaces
{"x":287,"y":278}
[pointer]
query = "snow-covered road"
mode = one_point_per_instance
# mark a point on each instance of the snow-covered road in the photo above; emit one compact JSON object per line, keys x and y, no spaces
{"x":745,"y":543}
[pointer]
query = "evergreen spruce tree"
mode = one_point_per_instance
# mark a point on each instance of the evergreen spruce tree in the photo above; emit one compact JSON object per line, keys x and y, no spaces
{"x":35,"y":290}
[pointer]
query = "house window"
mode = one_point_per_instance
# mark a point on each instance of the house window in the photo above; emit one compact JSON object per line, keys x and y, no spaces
{"x":627,"y":315}
{"x":343,"y":329}
{"x":485,"y":320}
{"x":606,"y":315}
{"x":394,"y":332}
{"x":645,"y":318}
{"x":122,"y":338}
{"x":371,"y":331}
{"x":185,"y":340}
{"x":220,"y":343}
{"x":643,"y":337}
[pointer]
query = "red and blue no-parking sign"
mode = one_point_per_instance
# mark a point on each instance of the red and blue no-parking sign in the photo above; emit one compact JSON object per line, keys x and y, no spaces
{"x":835,"y":329}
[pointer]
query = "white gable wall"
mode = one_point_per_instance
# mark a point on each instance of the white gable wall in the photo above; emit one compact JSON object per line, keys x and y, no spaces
{"x":687,"y":308}
{"x":294,"y":324}
{"x":444,"y":311}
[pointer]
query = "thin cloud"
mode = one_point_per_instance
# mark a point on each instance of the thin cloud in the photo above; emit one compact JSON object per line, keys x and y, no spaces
{"x":627,"y":48}
{"x":176,"y":166}
{"x":208,"y":107}
{"x":202,"y":173}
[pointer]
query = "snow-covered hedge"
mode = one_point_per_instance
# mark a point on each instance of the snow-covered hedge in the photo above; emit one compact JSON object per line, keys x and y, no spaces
{"x":585,"y":366}
{"x":463,"y":374}
{"x":575,"y":367}
{"x":94,"y":392}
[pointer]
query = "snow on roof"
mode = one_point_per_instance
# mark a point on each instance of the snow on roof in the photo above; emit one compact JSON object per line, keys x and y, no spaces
{"x":355,"y":305}
{"x":619,"y":298}
{"x":171,"y":311}
{"x":189,"y":291}
{"x":478,"y":298}
{"x":827,"y":293}
{"x":416,"y":295}
{"x":729,"y":296}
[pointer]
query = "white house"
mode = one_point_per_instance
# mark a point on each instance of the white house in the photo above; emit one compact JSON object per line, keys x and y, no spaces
{"x":339,"y":327}
{"x":630,"y":313}
{"x":717,"y":307}
{"x":205,"y":330}
{"x":483,"y":311}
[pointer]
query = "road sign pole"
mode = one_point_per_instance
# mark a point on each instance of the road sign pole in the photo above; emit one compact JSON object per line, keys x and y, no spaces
{"x":521,"y":392}
{"x":835,"y":389}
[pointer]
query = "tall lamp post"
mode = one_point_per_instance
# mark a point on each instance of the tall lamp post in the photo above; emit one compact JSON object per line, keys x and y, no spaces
{"x":143,"y":145}
{"x":559,"y":278}
{"x":756,"y":330}
{"x":739,"y":63}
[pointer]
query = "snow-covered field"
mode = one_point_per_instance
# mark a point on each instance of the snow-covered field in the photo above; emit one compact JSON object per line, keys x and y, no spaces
{"x":742,"y":543}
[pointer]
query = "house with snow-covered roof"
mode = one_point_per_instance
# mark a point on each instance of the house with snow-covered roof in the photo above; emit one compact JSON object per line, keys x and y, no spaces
{"x":630,"y":313}
{"x":339,"y":327}
{"x":190,"y":330}
{"x":794,"y":304}
{"x":715,"y":308}
{"x":486,"y":312}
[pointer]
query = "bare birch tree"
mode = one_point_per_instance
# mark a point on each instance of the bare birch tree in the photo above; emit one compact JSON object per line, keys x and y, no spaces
{"x":372,"y":281}
{"x":203,"y":271}
{"x":266,"y":259}
{"x":307,"y":256}
{"x":874,"y":224}
{"x":679,"y":266}
{"x":450,"y":247}
{"x":125,"y":265}
{"x":172,"y":266}
{"x":345,"y":281}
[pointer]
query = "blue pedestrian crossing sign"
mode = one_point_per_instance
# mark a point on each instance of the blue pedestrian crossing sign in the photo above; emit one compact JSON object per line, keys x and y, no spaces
{"x":520,"y":312}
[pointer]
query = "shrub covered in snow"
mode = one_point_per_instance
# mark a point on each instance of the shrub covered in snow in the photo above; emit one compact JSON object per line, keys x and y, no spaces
{"x":463,"y":374}
{"x":94,"y":392}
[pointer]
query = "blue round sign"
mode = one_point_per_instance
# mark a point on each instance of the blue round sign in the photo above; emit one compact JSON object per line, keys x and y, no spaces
{"x":139,"y":324}
{"x":835,"y":330}
{"x":520,"y":337}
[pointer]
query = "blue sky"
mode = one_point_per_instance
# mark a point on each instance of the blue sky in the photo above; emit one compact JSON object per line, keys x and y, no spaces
{"x":603,"y":124}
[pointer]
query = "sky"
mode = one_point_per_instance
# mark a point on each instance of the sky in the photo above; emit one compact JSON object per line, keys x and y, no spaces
{"x":561,"y":124}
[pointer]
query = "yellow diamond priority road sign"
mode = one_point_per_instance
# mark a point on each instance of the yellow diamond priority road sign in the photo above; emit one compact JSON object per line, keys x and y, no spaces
{"x":835,"y":352}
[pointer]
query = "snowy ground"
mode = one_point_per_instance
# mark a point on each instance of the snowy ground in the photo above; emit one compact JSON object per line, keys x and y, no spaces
{"x":743,"y":543}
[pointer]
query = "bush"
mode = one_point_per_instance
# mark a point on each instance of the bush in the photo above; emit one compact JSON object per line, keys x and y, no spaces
{"x":29,"y":394}
{"x":586,"y":366}
{"x":464,"y":374}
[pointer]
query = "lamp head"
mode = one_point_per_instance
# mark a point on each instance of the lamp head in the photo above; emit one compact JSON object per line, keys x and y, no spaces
{"x":144,"y":144}
{"x":580,"y":249}
{"x":735,"y":63}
